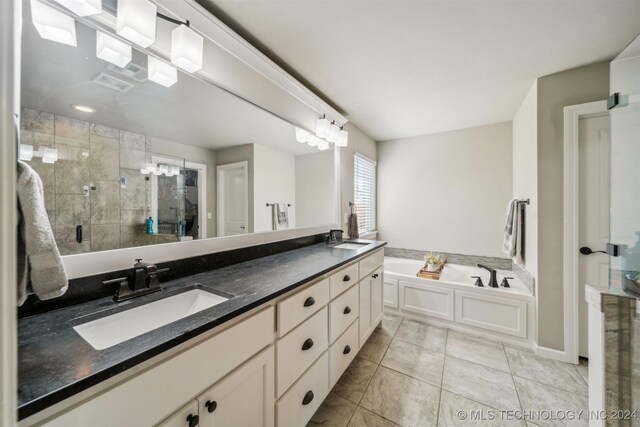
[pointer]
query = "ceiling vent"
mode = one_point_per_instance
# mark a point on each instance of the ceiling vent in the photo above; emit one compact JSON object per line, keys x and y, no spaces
{"x":131,"y":70}
{"x":113,"y":83}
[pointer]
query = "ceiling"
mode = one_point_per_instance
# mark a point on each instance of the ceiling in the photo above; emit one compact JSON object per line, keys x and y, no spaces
{"x":400,"y":68}
{"x":192,"y":112}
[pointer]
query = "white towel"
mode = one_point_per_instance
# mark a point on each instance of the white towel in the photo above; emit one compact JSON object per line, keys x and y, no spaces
{"x":40,"y":268}
{"x":280,"y":216}
{"x":512,"y":232}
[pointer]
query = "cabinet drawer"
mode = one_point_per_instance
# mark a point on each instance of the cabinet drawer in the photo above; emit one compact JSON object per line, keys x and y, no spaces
{"x":343,"y":279}
{"x":342,"y":352}
{"x":299,"y":404}
{"x":300,"y":348}
{"x":370,"y":263}
{"x":342,"y":312}
{"x":295,"y":309}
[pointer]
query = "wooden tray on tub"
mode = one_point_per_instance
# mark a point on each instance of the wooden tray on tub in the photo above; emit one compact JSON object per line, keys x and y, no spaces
{"x":433,"y":275}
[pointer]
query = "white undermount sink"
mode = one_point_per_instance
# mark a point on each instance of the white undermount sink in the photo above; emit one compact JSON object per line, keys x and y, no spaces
{"x":351,"y":245}
{"x":111,"y":330}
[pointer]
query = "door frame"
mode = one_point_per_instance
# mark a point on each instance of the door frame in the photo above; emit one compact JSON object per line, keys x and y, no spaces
{"x":202,"y":196}
{"x":572,"y":116}
{"x":222,"y":169}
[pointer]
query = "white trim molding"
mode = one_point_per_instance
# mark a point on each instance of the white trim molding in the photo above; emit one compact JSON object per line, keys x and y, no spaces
{"x":572,"y":116}
{"x":10,"y":13}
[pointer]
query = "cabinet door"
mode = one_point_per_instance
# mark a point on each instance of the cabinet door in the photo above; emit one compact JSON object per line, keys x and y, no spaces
{"x":365,"y":324}
{"x":184,"y":417}
{"x":244,"y":398}
{"x":377,"y":299}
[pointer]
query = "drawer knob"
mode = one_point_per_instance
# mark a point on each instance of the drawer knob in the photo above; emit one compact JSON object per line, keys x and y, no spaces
{"x":347,"y":310}
{"x":375,"y":276}
{"x":307,"y":398}
{"x":211,"y":405}
{"x":347,"y":350}
{"x":307,"y":344}
{"x":193,"y":420}
{"x":346,"y":278}
{"x":309,"y":302}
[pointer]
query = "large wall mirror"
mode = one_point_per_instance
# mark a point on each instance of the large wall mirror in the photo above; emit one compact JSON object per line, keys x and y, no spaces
{"x":128,"y":162}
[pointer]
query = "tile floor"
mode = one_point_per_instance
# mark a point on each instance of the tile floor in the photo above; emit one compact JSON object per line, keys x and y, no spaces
{"x":412,"y":374}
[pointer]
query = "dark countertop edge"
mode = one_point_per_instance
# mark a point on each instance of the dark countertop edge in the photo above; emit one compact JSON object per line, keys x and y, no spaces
{"x":45,"y":401}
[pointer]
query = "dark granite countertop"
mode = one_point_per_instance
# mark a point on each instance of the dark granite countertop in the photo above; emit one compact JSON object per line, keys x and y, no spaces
{"x":55,"y":363}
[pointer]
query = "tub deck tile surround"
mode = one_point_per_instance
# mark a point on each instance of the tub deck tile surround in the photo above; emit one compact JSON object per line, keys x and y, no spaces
{"x":50,"y":371}
{"x":398,"y":393}
{"x":473,"y":260}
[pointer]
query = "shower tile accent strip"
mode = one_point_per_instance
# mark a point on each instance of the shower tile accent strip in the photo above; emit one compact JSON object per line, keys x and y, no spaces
{"x":525,"y":277}
{"x":493,"y":262}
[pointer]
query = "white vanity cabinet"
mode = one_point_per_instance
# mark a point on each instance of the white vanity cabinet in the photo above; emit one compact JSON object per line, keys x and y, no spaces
{"x":371,"y":303}
{"x":187,"y":416}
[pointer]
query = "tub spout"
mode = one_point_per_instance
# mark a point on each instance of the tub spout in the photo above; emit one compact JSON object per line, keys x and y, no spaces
{"x":493,"y":282}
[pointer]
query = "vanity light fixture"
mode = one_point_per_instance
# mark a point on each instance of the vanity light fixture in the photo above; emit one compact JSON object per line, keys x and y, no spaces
{"x":186,"y":48}
{"x":136,"y":21}
{"x":84,"y":108}
{"x":323,"y":127}
{"x":52,"y":24}
{"x":50,"y":155}
{"x":112,"y":50}
{"x":26,"y":152}
{"x":302,"y":135}
{"x":83,"y":7}
{"x":161,"y":72}
{"x":343,"y":137}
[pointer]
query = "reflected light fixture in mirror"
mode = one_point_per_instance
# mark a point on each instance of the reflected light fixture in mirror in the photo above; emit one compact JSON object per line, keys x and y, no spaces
{"x":83,"y":7}
{"x":84,"y":108}
{"x":136,"y":21}
{"x":52,"y":24}
{"x":26,"y":152}
{"x":302,"y":136}
{"x":112,"y":50}
{"x":50,"y":155}
{"x":313,"y":141}
{"x":162,"y":73}
{"x":323,"y":145}
{"x":186,"y":48}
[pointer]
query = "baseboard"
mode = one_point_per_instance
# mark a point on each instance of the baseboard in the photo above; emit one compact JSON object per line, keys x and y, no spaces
{"x":552,"y":354}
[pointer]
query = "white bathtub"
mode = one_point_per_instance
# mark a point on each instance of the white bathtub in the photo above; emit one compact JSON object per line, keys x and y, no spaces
{"x":454,"y":301}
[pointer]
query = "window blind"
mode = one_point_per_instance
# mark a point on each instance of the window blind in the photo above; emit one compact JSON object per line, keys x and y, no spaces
{"x":364,"y":188}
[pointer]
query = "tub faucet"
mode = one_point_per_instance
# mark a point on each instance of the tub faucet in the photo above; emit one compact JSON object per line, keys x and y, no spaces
{"x":493,"y":282}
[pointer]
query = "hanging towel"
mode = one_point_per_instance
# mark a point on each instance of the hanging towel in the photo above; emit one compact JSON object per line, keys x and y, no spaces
{"x":512,"y":232}
{"x":281,"y":217}
{"x":352,"y":226}
{"x":40,"y":268}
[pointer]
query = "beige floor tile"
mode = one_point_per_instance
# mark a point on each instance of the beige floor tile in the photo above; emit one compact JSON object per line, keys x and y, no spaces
{"x":390,"y":324}
{"x":477,"y":350}
{"x":480,"y":383}
{"x":402,"y":399}
{"x":528,"y":365}
{"x":457,"y":410}
{"x":423,"y":335}
{"x":335,"y":411}
{"x":364,"y":418}
{"x":415,"y":361}
{"x":375,"y":347}
{"x":353,"y":383}
{"x":536,"y":397}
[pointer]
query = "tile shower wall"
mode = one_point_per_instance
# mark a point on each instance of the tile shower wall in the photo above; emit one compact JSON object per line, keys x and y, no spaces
{"x":97,"y":158}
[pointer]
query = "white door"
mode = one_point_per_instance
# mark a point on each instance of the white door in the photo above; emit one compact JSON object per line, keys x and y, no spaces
{"x":233,"y":199}
{"x":593,"y":213}
{"x":245,"y":398}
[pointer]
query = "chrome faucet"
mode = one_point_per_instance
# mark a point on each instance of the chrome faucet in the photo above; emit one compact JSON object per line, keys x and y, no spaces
{"x":493,"y":282}
{"x":145,"y":281}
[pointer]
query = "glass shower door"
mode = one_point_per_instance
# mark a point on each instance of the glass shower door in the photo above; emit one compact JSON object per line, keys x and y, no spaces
{"x":624,"y":269}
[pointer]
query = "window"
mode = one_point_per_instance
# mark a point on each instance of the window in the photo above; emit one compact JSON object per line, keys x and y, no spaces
{"x":364,"y":189}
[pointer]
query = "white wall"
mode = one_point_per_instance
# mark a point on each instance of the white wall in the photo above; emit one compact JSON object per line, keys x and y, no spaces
{"x":446,"y":192}
{"x":274,"y":174}
{"x":525,"y":172}
{"x":315,"y":189}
